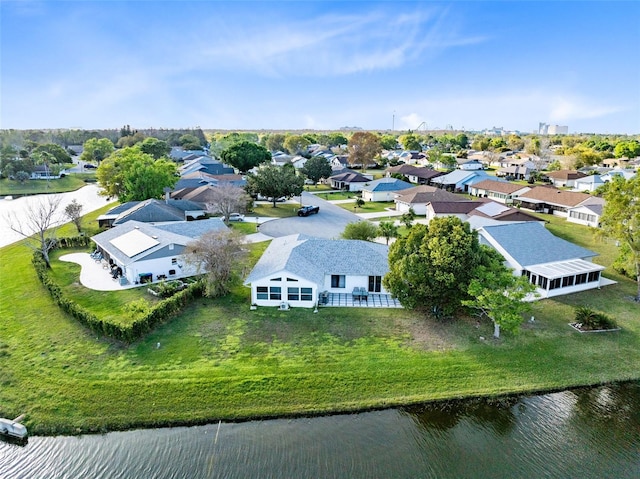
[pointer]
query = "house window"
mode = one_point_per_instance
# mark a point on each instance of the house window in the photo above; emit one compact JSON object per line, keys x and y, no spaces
{"x":275,"y":292}
{"x":581,"y":278}
{"x":275,"y":279}
{"x":174,"y":260}
{"x":292,"y":280}
{"x":306,"y":294}
{"x":262,"y":292}
{"x":594,"y":276}
{"x":567,"y":281}
{"x":555,"y":283}
{"x":375,"y":283}
{"x":293,"y":294}
{"x":337,"y":280}
{"x":542,"y":282}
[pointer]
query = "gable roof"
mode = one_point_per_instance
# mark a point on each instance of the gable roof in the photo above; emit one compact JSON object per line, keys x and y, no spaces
{"x":565,"y":175}
{"x":461,"y":176}
{"x":500,"y":212}
{"x":499,"y":186}
{"x":530,"y":243}
{"x":151,"y":211}
{"x":425,"y":194}
{"x":350,"y":177}
{"x":551,"y":195}
{"x":313,"y":258}
{"x":453,"y":207}
{"x":387,"y":184}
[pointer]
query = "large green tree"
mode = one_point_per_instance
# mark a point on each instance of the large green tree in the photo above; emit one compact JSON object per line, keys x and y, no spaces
{"x":56,"y":152}
{"x":316,"y":168}
{"x":627,"y":149}
{"x":154,"y":147}
{"x":296,"y":144}
{"x":95,"y":149}
{"x":275,"y":181}
{"x":275,"y":142}
{"x":621,"y":218}
{"x":431,"y":268}
{"x":410,"y":142}
{"x":131,"y":175}
{"x":363,"y":147}
{"x":245,"y":155}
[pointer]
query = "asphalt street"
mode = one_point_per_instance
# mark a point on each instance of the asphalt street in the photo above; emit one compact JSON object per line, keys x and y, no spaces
{"x":328,"y":223}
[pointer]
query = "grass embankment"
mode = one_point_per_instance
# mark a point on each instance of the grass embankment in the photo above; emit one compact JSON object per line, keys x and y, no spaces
{"x":35,"y":187}
{"x":219,"y":360}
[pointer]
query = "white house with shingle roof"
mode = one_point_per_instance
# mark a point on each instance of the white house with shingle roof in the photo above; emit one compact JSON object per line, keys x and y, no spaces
{"x":554,"y":265}
{"x":384,"y":189}
{"x":500,"y":191}
{"x":149,"y":253}
{"x":295,"y":269}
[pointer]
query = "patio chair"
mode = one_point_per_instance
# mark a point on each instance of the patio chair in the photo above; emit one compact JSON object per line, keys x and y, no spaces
{"x":355,"y":294}
{"x":364,"y":294}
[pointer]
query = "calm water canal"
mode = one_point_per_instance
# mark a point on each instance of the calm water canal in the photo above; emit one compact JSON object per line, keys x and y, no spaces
{"x":584,"y":433}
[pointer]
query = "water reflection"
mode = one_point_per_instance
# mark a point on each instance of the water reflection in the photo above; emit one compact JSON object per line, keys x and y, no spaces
{"x":586,"y":433}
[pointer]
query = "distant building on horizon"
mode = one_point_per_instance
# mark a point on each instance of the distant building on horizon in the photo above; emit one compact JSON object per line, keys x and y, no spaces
{"x":546,"y":129}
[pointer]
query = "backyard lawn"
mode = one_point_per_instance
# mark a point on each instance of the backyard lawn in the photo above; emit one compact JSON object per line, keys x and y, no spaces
{"x":220,"y":361}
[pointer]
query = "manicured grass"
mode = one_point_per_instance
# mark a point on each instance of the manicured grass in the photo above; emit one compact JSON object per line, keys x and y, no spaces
{"x":282,"y":210}
{"x":368,"y":207}
{"x":339,"y":195}
{"x":219,"y":360}
{"x":33,"y":187}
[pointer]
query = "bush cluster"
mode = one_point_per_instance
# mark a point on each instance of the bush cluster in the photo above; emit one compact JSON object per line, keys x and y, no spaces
{"x":128,"y":333}
{"x":591,"y":320}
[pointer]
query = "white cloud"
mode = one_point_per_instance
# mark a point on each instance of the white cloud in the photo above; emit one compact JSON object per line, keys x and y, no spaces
{"x":566,"y":108}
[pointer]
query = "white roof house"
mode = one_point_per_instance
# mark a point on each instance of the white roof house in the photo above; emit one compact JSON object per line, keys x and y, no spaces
{"x":148,"y":253}
{"x":554,"y":265}
{"x":296,"y":269}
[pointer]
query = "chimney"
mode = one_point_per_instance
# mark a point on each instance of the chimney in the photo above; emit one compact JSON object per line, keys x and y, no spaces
{"x":167,"y":195}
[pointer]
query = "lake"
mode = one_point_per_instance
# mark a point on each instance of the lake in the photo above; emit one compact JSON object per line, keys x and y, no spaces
{"x":581,"y":433}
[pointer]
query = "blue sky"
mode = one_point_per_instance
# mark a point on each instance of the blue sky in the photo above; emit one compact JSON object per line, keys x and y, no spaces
{"x":320,"y":65}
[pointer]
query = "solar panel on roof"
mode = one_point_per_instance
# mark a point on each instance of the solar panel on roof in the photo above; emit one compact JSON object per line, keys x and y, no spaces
{"x":492,"y":209}
{"x":134,"y":242}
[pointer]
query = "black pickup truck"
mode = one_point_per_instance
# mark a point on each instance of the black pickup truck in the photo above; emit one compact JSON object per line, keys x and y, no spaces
{"x":308,"y":210}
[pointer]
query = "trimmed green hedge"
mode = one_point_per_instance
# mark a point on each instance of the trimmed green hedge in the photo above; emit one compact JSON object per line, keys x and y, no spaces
{"x":128,"y":333}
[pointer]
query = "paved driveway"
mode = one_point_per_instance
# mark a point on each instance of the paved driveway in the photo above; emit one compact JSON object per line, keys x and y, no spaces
{"x":328,"y":223}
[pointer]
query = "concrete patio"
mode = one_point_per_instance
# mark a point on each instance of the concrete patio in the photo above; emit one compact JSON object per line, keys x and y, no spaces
{"x":95,"y":274}
{"x":374,"y":300}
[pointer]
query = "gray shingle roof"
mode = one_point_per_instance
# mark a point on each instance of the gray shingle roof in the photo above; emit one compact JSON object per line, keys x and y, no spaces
{"x":313,"y":258}
{"x":531,"y":243}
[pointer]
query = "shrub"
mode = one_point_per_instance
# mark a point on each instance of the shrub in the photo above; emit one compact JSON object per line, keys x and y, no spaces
{"x":592,"y":320}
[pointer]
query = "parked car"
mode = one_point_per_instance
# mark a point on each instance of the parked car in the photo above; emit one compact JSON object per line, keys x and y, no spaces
{"x":89,"y":166}
{"x":234,"y":217}
{"x":308,"y":210}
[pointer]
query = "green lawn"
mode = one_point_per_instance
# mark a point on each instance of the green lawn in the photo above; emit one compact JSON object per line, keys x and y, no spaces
{"x":368,"y":207}
{"x":32,"y":187}
{"x":339,"y":195}
{"x":219,"y":360}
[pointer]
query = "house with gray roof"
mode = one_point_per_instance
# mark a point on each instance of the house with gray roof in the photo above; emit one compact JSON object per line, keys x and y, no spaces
{"x":298,"y":270}
{"x":418,"y":197}
{"x":141,"y":253}
{"x":152,"y":211}
{"x":384,"y":189}
{"x":460,"y":180}
{"x":349,"y":180}
{"x":498,"y":190}
{"x":586,"y":214}
{"x":554,"y":265}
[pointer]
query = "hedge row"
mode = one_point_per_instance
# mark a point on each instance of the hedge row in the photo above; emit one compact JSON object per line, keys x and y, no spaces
{"x":128,"y":333}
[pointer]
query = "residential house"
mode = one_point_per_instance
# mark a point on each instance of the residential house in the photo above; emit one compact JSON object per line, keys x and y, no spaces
{"x":384,"y":189}
{"x":588,"y":183}
{"x":459,"y":180}
{"x":500,"y":191}
{"x":43,"y":172}
{"x":554,"y":265}
{"x":564,"y":178}
{"x":470,"y":165}
{"x":547,"y":199}
{"x":514,"y":172}
{"x":492,"y":213}
{"x":459,"y":209}
{"x":349,"y":180}
{"x":418,"y":197}
{"x":206,"y":164}
{"x":414,"y":174}
{"x":340,"y":162}
{"x":586,"y":214}
{"x":295,"y":270}
{"x":140,"y":252}
{"x":152,"y":211}
{"x":624,"y":173}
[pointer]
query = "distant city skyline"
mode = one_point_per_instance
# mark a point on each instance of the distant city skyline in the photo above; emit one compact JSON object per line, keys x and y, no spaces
{"x":320,"y":65}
